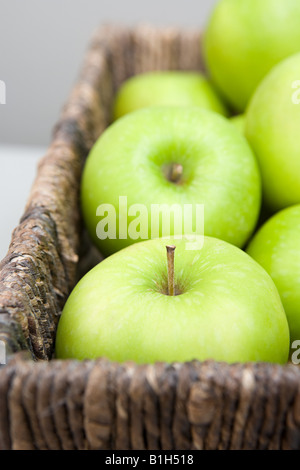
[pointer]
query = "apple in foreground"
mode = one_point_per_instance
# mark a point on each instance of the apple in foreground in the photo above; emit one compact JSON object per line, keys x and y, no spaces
{"x":167,"y":88}
{"x":272,"y":130}
{"x":157,"y":162}
{"x":276,"y":246}
{"x":140,"y":305}
{"x":244,"y":39}
{"x":239,"y":122}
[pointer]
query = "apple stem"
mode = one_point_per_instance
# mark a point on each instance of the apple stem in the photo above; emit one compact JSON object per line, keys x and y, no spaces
{"x":171,"y":271}
{"x":176,"y":172}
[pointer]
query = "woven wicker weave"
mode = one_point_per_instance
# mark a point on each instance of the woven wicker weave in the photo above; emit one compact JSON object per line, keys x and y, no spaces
{"x":51,"y":404}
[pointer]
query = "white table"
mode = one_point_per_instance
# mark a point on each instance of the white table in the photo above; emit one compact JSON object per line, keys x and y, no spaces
{"x":18,"y":166}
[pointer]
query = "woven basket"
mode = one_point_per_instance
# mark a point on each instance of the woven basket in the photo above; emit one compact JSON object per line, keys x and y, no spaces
{"x":50,"y":404}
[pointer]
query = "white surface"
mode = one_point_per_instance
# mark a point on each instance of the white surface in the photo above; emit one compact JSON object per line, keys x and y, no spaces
{"x":18,"y":166}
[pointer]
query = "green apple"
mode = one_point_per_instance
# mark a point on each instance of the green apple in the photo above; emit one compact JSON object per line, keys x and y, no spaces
{"x":239,"y":122}
{"x":167,"y":88}
{"x":276,"y":246}
{"x":244,"y":39}
{"x":272,"y":129}
{"x":226,"y":307}
{"x":156,"y":163}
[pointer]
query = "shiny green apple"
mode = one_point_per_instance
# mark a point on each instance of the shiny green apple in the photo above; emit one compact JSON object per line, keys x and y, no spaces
{"x":129,"y":177}
{"x":276,"y":246}
{"x":244,"y":39}
{"x":239,"y":122}
{"x":226,"y":307}
{"x":272,"y":129}
{"x":167,"y":88}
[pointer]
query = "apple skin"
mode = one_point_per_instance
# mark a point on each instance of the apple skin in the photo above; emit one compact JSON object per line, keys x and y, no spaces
{"x":276,"y":246}
{"x":229,"y":308}
{"x":272,"y":130}
{"x":167,"y":88}
{"x":239,"y":121}
{"x":219,"y":171}
{"x":244,"y":39}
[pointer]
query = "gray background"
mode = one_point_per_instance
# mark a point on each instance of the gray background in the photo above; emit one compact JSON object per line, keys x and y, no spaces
{"x":42,"y":43}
